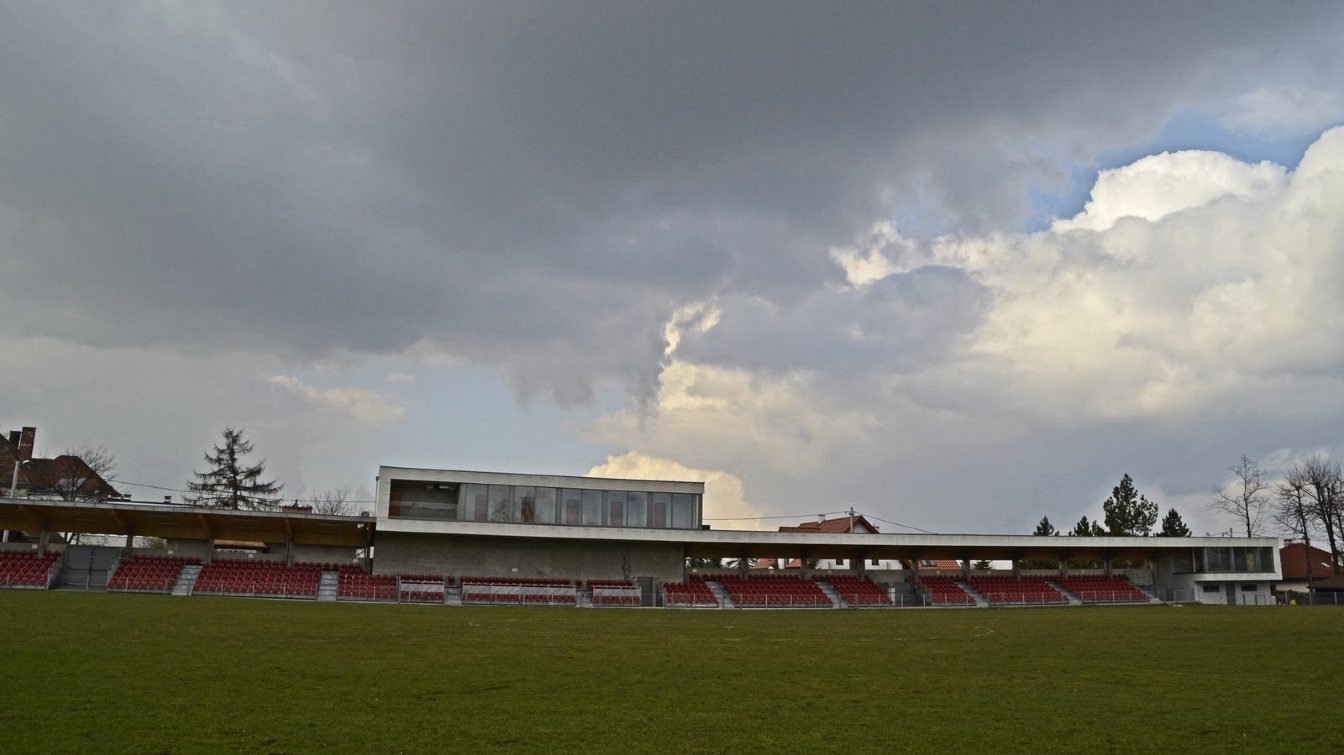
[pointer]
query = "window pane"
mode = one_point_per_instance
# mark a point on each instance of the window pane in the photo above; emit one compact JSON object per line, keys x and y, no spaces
{"x":615,"y":508}
{"x":683,"y":510}
{"x":524,"y":504}
{"x":474,"y":504}
{"x":592,"y":508}
{"x":636,"y":509}
{"x":499,"y":503}
{"x":660,"y":507}
{"x":417,"y":500}
{"x":571,"y":502}
{"x":545,"y":506}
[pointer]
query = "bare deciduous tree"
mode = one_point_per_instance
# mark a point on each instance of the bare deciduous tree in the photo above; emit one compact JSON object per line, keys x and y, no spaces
{"x":333,"y":502}
{"x":1245,"y":498}
{"x":1324,"y":488}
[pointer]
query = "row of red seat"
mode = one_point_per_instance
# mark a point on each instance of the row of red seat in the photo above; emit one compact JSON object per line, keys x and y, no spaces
{"x":858,"y":591}
{"x":273,"y":578}
{"x":944,"y":591}
{"x":148,"y":573}
{"x":694,"y":593}
{"x":26,"y":569}
{"x":775,"y":590}
{"x":1103,"y":589}
{"x":359,"y":585}
{"x":533,"y":581}
{"x":1001,"y":589}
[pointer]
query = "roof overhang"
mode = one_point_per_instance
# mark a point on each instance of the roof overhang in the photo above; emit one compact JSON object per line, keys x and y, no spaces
{"x":184,"y":522}
{"x":813,"y":545}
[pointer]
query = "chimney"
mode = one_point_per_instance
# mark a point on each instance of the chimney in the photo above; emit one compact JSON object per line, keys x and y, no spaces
{"x":26,"y":438}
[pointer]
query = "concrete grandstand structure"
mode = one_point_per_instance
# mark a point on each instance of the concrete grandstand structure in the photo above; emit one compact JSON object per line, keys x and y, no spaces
{"x":445,"y":536}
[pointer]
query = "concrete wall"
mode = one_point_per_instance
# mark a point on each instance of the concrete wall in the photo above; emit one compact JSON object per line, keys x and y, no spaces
{"x":465,"y":555}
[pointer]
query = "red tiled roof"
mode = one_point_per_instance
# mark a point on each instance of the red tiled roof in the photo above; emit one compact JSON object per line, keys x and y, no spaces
{"x":1293,"y":557}
{"x":838,"y":526}
{"x":50,"y":474}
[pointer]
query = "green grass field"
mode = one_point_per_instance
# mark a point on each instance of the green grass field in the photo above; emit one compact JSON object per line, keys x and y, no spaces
{"x":132,"y":673}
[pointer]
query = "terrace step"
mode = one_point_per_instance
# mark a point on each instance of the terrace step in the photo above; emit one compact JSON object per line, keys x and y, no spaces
{"x":836,"y":600}
{"x":980,"y":600}
{"x":721,"y":594}
{"x":186,"y":579}
{"x":1074,"y":600}
{"x":329,"y":585}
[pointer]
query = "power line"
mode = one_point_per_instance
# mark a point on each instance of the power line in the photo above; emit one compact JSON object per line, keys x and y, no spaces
{"x":180,"y":490}
{"x":898,"y":524}
{"x":757,"y":518}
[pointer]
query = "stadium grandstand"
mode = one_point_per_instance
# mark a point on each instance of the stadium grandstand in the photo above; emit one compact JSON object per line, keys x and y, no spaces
{"x":444,"y":537}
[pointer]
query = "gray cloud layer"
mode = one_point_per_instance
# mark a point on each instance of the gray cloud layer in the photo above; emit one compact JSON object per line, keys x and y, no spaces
{"x":535,"y":186}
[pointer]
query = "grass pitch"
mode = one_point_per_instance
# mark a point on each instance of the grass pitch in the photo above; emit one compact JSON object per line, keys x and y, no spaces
{"x":133,"y":673}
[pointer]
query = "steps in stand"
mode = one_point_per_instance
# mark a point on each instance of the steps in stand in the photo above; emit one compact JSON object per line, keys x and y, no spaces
{"x":980,"y":600}
{"x":329,"y":585}
{"x":186,"y":579}
{"x":724,"y":600}
{"x":1074,"y":600}
{"x":838,"y":601}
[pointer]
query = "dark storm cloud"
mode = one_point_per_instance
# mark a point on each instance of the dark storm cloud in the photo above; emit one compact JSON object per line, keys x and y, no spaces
{"x":538,"y":186}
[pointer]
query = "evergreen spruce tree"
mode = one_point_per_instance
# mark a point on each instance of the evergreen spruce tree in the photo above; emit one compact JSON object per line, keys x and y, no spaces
{"x":1127,"y":512}
{"x":1084,"y":528}
{"x":1173,"y":525}
{"x":230,"y":483}
{"x":1044,"y":528}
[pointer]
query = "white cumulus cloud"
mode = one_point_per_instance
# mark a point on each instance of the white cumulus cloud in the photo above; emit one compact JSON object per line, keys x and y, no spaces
{"x":1159,"y":185}
{"x":725,"y":495}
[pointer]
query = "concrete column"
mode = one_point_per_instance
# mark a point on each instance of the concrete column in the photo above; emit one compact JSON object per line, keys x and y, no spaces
{"x":1064,"y":565}
{"x":43,"y":539}
{"x":289,"y":552}
{"x":1017,"y":566}
{"x":805,"y":567}
{"x":1106,"y":563}
{"x":860,"y":563}
{"x":966,"y":568}
{"x":743,"y":566}
{"x":130,"y":543}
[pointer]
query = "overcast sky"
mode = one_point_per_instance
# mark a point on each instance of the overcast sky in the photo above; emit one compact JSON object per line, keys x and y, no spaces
{"x":957,"y":265}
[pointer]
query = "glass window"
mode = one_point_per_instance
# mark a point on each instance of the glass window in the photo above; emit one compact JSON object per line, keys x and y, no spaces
{"x":571,"y":505}
{"x":615,"y":508}
{"x":423,"y":500}
{"x":1183,"y":562}
{"x":660,"y":506}
{"x":545,"y":506}
{"x":592,"y":508}
{"x":474,"y":505}
{"x":636,"y":509}
{"x":683,"y":511}
{"x":524,"y":504}
{"x":499,"y":503}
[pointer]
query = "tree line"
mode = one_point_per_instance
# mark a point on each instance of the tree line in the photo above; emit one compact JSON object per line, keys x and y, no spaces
{"x":1126,"y":512}
{"x":1305,"y":500}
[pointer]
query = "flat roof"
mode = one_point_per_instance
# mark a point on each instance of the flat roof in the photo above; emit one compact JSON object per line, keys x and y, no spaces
{"x":184,"y":522}
{"x":416,"y":474}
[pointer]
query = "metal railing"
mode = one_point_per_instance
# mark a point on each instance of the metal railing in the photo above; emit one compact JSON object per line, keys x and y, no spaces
{"x":530,"y":595}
